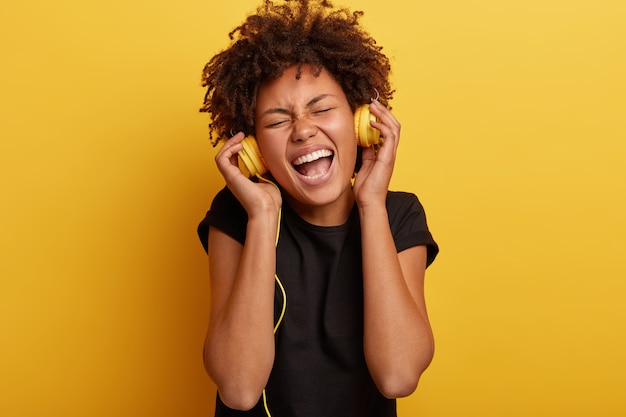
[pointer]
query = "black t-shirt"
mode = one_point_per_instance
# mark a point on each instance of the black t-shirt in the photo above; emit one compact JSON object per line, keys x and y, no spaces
{"x":319,"y":367}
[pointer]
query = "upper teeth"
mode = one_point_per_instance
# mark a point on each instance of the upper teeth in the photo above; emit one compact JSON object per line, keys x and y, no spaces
{"x":312,"y":156}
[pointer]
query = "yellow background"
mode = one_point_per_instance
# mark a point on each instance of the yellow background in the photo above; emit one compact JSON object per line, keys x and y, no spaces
{"x":513,"y":137}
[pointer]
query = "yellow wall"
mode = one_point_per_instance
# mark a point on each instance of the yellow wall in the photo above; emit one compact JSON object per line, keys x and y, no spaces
{"x":514,"y":136}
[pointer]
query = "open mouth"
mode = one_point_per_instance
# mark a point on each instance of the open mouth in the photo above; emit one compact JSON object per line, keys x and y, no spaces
{"x":314,"y":165}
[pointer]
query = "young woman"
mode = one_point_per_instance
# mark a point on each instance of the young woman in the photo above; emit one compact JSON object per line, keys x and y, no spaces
{"x":317,"y":295}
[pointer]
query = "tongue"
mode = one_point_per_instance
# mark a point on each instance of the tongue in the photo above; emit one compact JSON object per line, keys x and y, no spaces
{"x":315,"y":168}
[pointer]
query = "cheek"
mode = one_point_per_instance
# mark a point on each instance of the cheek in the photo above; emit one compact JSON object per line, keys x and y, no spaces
{"x":273,"y":154}
{"x":349,"y":146}
{"x":351,"y":159}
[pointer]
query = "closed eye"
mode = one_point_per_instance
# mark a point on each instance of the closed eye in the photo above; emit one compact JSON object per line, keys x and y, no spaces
{"x":322,"y":110}
{"x":278,"y":123}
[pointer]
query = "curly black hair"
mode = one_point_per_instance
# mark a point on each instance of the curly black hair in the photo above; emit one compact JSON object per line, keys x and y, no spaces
{"x":278,"y":36}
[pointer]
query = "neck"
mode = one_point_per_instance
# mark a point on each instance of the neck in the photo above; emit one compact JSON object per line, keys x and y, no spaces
{"x":332,"y":214}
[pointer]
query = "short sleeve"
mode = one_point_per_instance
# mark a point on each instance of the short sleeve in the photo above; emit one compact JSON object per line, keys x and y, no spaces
{"x":226,"y":214}
{"x":407,"y":220}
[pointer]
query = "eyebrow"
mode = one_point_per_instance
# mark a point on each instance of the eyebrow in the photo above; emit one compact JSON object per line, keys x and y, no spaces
{"x":310,"y":104}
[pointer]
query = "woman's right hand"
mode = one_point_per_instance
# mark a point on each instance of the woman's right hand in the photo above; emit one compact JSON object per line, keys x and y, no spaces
{"x":256,"y":197}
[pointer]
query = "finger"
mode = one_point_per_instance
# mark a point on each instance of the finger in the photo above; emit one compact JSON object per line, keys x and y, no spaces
{"x":388,"y":116}
{"x":226,"y":158}
{"x":232,"y":145}
{"x":237,"y":137}
{"x":386,"y":123}
{"x":384,"y":114}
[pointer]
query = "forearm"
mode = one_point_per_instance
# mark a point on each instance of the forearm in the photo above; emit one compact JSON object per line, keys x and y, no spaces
{"x":398,"y":341}
{"x":239,"y":350}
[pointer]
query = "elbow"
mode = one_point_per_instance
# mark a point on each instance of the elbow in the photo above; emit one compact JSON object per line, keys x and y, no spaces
{"x":239,"y":394}
{"x":239,"y":399}
{"x":239,"y":387}
{"x":398,"y":386}
{"x":401,"y":380}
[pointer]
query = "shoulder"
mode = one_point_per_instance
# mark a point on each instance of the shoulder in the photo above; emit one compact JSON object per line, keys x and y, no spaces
{"x":407,"y":220}
{"x":401,"y":203}
{"x":226,"y":214}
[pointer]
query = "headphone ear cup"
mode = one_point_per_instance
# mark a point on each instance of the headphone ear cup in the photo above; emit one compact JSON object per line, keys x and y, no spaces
{"x":366,"y":135}
{"x":249,"y":158}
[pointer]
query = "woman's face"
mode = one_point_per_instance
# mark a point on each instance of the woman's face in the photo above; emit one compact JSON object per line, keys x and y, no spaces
{"x":305,"y":131}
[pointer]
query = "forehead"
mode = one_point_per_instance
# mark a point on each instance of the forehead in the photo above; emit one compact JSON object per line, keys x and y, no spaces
{"x":288,"y":88}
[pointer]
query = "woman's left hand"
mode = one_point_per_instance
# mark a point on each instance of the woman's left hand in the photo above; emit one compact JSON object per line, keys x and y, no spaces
{"x":372,"y":180}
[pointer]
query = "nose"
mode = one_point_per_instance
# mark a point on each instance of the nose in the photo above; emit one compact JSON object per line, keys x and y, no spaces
{"x":303,"y":129}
